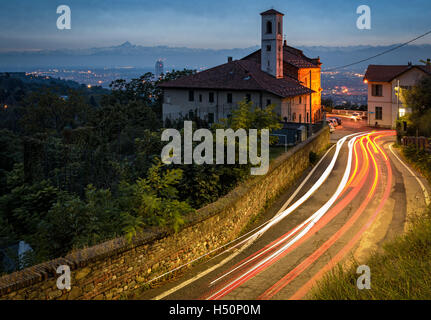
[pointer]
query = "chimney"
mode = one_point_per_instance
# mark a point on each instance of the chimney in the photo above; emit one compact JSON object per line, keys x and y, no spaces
{"x":229,"y":59}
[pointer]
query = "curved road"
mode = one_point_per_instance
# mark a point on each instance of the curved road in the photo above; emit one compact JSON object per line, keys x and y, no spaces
{"x":359,"y":195}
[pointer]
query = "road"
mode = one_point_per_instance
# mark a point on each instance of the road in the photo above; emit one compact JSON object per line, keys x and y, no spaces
{"x":358,"y":196}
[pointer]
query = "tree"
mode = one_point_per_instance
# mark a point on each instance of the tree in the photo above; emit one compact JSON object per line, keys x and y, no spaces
{"x":427,"y":62}
{"x":46,"y":112}
{"x":247,"y":116}
{"x":153,"y":201}
{"x":418,"y":98}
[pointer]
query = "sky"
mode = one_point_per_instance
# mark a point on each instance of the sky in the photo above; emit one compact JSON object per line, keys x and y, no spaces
{"x":215,"y":24}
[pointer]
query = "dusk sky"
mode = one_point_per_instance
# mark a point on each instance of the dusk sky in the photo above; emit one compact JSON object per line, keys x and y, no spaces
{"x":30,"y":24}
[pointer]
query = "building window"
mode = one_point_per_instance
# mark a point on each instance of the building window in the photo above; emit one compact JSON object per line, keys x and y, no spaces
{"x":200,"y":98}
{"x":300,"y":100}
{"x":229,"y":98}
{"x":268,"y":102}
{"x":210,"y":117}
{"x":294,"y":116}
{"x":268,"y":48}
{"x":191,"y":95}
{"x":300,"y":118}
{"x":268,"y":27}
{"x":211,"y":97}
{"x":377,"y":90}
{"x":248,"y":97}
{"x":279,"y":28}
{"x":379,"y":113}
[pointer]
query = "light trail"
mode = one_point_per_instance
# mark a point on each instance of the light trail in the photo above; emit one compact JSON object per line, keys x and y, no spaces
{"x":311,"y":222}
{"x":328,"y":244}
{"x":340,"y":255}
{"x":281,"y":216}
{"x":250,"y":239}
{"x":334,"y":211}
{"x":289,"y":210}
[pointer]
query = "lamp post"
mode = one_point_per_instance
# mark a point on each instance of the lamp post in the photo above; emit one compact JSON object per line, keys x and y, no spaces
{"x":398,"y":129}
{"x":398,"y":99}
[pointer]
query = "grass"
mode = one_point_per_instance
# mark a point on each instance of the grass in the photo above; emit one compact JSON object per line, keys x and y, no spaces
{"x":401,"y":271}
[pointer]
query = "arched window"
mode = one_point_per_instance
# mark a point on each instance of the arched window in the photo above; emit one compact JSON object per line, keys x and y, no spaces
{"x":268,"y":27}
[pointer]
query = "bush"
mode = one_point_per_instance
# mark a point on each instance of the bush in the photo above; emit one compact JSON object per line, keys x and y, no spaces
{"x":313,"y":157}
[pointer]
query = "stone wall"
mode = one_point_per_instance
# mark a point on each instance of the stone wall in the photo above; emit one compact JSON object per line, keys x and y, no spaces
{"x":113,"y":269}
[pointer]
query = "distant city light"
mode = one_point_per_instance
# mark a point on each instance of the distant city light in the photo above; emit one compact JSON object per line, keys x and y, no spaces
{"x":88,"y":86}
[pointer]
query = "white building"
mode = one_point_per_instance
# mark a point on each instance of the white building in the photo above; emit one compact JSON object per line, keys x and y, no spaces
{"x":383,"y":81}
{"x":276,"y":74}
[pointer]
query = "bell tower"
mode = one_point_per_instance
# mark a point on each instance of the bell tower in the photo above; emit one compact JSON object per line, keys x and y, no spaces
{"x":272,"y":43}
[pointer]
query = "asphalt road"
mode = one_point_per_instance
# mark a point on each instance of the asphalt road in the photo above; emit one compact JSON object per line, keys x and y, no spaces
{"x":367,"y":197}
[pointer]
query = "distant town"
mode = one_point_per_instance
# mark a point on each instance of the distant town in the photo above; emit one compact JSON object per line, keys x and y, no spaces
{"x":342,"y":87}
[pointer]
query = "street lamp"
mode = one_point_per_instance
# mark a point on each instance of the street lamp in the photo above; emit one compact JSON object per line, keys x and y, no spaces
{"x":397,"y":92}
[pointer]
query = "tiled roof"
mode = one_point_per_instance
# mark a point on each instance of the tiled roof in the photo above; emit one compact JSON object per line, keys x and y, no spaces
{"x":384,"y":73}
{"x":271,"y":11}
{"x":239,"y":75}
{"x":292,"y":56}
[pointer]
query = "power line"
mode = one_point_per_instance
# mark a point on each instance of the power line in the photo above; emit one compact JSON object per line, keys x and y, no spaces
{"x":380,"y":54}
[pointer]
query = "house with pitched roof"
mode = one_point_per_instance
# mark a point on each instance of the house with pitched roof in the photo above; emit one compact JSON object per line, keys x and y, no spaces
{"x":277,"y":74}
{"x":384,"y":83}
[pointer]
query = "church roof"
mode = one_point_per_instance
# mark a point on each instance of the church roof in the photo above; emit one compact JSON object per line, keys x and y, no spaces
{"x":240,"y":75}
{"x":291,"y":55}
{"x":271,"y":11}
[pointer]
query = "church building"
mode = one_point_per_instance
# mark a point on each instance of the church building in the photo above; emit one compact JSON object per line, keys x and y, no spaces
{"x":276,"y":74}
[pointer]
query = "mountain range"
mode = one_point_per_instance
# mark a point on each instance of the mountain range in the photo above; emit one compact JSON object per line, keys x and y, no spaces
{"x":138,"y":56}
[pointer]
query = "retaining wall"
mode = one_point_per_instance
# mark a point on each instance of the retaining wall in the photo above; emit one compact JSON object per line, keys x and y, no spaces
{"x":114,"y":268}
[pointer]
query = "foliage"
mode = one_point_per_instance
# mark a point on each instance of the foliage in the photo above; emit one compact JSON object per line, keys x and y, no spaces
{"x":420,"y":159}
{"x":154,"y":201}
{"x":400,"y":271}
{"x":313,"y":157}
{"x":418,"y":98}
{"x":82,"y":169}
{"x":247,"y":116}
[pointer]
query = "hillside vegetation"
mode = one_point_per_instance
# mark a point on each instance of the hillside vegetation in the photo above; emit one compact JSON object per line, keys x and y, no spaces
{"x":75,"y":173}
